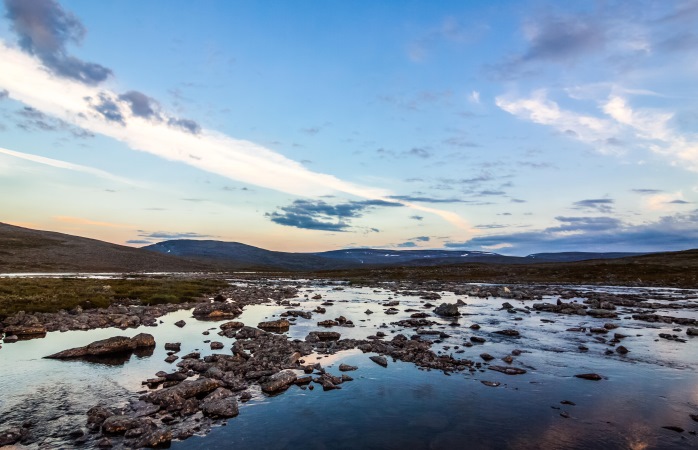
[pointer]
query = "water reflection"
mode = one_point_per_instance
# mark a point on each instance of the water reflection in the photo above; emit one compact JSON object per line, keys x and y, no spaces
{"x":399,"y":406}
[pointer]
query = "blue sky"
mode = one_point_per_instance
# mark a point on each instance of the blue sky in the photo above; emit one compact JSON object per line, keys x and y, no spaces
{"x":515,"y":127}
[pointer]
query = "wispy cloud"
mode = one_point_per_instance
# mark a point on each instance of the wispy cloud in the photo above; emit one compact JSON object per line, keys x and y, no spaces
{"x":66,"y":165}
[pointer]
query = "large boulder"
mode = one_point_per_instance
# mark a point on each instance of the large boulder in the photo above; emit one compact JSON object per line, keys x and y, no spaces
{"x":279,"y":381}
{"x":318,"y":336}
{"x":275,"y":325}
{"x":117,"y":344}
{"x":220,"y":404}
{"x":217,"y":311}
{"x":447,"y":309}
{"x":173,"y":398}
{"x":25,"y":330}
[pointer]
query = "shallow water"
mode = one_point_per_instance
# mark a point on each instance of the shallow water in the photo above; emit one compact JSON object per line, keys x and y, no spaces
{"x":401,"y":406}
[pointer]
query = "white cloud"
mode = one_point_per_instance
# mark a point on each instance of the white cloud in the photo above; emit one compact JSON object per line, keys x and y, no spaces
{"x":539,"y":109}
{"x":475,"y":97}
{"x":643,"y":128}
{"x":29,"y":82}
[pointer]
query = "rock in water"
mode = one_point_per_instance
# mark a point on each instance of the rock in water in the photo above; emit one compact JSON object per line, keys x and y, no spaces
{"x":507,"y":332}
{"x":380,"y":360}
{"x":156,"y":438}
{"x":589,"y":376}
{"x":447,"y":309}
{"x":11,"y":436}
{"x":275,"y":325}
{"x":508,"y":370}
{"x":144,"y":340}
{"x":317,"y":336}
{"x":117,"y":344}
{"x":692,"y":331}
{"x":220,"y":404}
{"x":173,"y":346}
{"x":216,"y":311}
{"x":346,"y":368}
{"x":279,"y":381}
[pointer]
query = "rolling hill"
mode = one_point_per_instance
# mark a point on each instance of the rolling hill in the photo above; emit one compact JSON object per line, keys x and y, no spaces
{"x":27,"y":250}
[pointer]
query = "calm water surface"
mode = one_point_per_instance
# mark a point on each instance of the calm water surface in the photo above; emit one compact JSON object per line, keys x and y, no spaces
{"x":401,"y":406}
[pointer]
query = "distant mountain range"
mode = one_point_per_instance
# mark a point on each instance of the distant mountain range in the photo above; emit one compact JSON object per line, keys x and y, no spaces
{"x":236,"y":255}
{"x":27,"y":250}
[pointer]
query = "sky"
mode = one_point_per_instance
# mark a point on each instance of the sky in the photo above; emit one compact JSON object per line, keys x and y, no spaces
{"x":514,"y":127}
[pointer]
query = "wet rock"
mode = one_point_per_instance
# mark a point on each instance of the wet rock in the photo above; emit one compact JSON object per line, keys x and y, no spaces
{"x":143,"y":409}
{"x":97,"y":415}
{"x":508,"y":359}
{"x":215,"y":345}
{"x":119,"y":424}
{"x":414,"y":323}
{"x":622,"y":350}
{"x":322,"y":336}
{"x":602,"y":313}
{"x":275,"y":325}
{"x":507,"y":332}
{"x":144,"y":340}
{"x":279,"y":381}
{"x":180,"y":323}
{"x":368,"y":311}
{"x":486,"y":356}
{"x":380,"y":360}
{"x":567,"y":402}
{"x":9,"y":339}
{"x":216,"y":311}
{"x":317,"y":297}
{"x":219,"y":298}
{"x":25,"y":330}
{"x":674,"y":428}
{"x":173,"y":346}
{"x":117,"y":344}
{"x":474,"y":326}
{"x":430,"y":296}
{"x":347,"y":368}
{"x":297,"y":313}
{"x":328,"y":323}
{"x":508,"y":370}
{"x":589,"y":376}
{"x":478,"y":339}
{"x":12,"y":436}
{"x":249,"y":333}
{"x":220,"y":404}
{"x":231,"y":325}
{"x":320,"y":310}
{"x":694,"y":417}
{"x":692,"y":331}
{"x":671,"y":337}
{"x":105,"y":443}
{"x":490,"y":383}
{"x":173,"y":398}
{"x":157,"y":438}
{"x":447,"y":309}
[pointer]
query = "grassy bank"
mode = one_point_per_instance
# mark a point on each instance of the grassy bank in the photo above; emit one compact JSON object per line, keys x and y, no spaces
{"x":675,"y":269}
{"x":54,"y":294}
